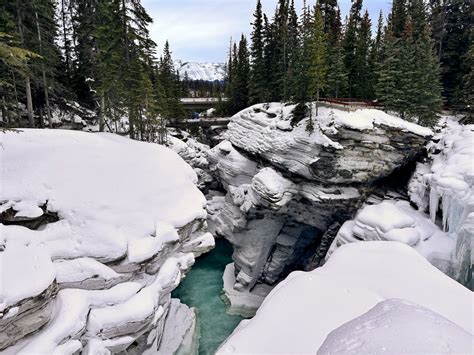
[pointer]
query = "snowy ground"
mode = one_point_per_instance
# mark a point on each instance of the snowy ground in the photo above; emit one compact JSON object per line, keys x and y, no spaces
{"x":130,"y":221}
{"x":304,"y":309}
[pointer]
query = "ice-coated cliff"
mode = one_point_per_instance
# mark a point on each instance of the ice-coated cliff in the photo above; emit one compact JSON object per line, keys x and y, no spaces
{"x":288,"y":190}
{"x":336,"y":308}
{"x":96,"y":231}
{"x":442,"y":229}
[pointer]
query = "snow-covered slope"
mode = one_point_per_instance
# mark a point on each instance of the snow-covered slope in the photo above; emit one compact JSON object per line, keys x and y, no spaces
{"x":398,"y":327}
{"x":111,"y":223}
{"x":297,"y":316}
{"x":201,"y":71}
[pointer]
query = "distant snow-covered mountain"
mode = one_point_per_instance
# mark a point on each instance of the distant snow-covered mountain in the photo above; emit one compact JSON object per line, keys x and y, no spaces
{"x":201,"y":71}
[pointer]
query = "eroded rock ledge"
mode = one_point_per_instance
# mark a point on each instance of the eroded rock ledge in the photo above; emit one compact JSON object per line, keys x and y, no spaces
{"x":289,"y":191}
{"x":128,"y":223}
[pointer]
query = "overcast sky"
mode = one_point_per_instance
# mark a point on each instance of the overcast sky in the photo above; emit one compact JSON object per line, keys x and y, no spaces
{"x":199,"y":30}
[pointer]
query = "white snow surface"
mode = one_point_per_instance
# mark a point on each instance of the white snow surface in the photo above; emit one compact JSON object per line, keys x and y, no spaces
{"x":201,"y":71}
{"x":297,"y":316}
{"x":398,"y":221}
{"x":115,"y":197}
{"x":398,"y":327}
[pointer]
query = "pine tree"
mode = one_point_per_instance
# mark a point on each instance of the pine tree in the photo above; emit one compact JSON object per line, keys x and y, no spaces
{"x":301,"y":89}
{"x":318,"y":49}
{"x":349,"y":43}
{"x":257,"y":70}
{"x":362,"y":66}
{"x":454,"y":47}
{"x":468,"y":81}
{"x":398,"y":17}
{"x":293,"y":53}
{"x":242,"y":71}
{"x":337,"y":75}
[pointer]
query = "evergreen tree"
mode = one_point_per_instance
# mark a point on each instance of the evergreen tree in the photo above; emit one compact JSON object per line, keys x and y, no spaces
{"x":362,"y":66}
{"x":350,"y":42}
{"x":397,"y":18}
{"x":453,"y":48}
{"x":257,"y":70}
{"x":337,"y":75}
{"x":317,"y":72}
{"x":294,"y":53}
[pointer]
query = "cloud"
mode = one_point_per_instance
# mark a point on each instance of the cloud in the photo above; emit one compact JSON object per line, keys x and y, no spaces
{"x":200,"y":30}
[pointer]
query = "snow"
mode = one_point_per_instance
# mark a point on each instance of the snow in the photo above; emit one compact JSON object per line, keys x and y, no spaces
{"x":115,"y":197}
{"x":369,"y":118}
{"x":307,"y":306}
{"x":72,"y":307}
{"x":25,"y":272}
{"x":398,"y":221}
{"x":381,"y":329}
{"x":201,"y":71}
{"x":80,"y":269}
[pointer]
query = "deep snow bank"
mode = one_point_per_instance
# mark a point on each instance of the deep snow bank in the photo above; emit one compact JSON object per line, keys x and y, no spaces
{"x":129,"y":221}
{"x":398,"y":327}
{"x":308,"y":306}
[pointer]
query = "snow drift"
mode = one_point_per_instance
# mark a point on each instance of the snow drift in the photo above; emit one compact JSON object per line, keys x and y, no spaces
{"x":307,"y":306}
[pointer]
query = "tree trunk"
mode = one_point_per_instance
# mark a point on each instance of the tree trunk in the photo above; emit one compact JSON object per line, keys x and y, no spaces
{"x":317,"y":101}
{"x":131,"y":117}
{"x":5,"y":116}
{"x":29,"y":99}
{"x":18,"y":114}
{"x":66,"y":45}
{"x":45,"y":83}
{"x":102,"y":113}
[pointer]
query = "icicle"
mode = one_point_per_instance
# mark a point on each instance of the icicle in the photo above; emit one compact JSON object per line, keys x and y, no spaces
{"x":434,"y":201}
{"x":446,"y":209}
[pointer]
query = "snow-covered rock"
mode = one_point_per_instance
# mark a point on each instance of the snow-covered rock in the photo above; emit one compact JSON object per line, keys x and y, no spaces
{"x":288,"y":190}
{"x":398,"y":221}
{"x":128,"y":223}
{"x":339,"y":149}
{"x":201,"y":71}
{"x":300,"y":313}
{"x":443,"y":186}
{"x":398,"y":327}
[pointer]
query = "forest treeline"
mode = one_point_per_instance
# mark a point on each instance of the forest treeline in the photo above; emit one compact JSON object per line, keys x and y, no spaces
{"x":418,"y":57}
{"x":98,"y":53}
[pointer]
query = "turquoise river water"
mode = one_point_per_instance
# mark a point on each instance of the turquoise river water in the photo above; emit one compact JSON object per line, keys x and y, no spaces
{"x":202,"y":289}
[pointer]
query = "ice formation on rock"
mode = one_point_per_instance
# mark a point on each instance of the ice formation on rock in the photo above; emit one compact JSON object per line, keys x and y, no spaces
{"x":444,"y":186}
{"x":117,"y":224}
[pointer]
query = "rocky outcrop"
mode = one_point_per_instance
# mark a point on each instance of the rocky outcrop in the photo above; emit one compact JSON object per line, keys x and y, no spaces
{"x":286,"y":187}
{"x":90,"y":252}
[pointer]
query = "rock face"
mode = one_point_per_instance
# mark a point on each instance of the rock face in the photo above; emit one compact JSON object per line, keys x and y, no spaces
{"x":286,"y":188}
{"x":124,"y":223}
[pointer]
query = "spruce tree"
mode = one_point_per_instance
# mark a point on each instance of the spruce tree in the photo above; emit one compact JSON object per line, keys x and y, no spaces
{"x":362,"y":66}
{"x":318,"y":68}
{"x":257,"y":69}
{"x":350,"y":42}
